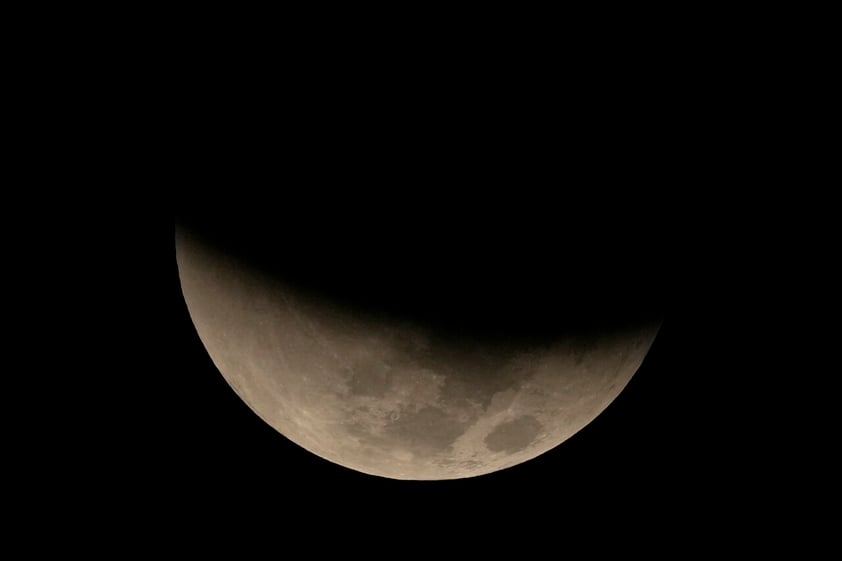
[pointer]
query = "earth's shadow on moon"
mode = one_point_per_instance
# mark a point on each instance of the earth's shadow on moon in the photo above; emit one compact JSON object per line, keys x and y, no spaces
{"x":520,"y":281}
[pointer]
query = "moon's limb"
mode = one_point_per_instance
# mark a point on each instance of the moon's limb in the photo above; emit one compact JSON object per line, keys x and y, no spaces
{"x":389,"y":399}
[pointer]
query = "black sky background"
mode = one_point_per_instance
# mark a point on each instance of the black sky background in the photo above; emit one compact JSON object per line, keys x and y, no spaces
{"x":683,"y":187}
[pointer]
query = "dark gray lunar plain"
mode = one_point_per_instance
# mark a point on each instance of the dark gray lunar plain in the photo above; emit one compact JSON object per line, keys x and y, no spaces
{"x":391,"y":398}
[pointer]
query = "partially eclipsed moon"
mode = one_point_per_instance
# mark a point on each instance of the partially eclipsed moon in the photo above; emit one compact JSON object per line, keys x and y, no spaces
{"x":393,"y":399}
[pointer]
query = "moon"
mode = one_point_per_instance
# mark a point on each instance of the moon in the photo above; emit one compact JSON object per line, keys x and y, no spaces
{"x":392,"y":397}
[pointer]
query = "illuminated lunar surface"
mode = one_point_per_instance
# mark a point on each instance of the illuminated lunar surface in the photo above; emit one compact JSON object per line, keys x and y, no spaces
{"x":391,"y":398}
